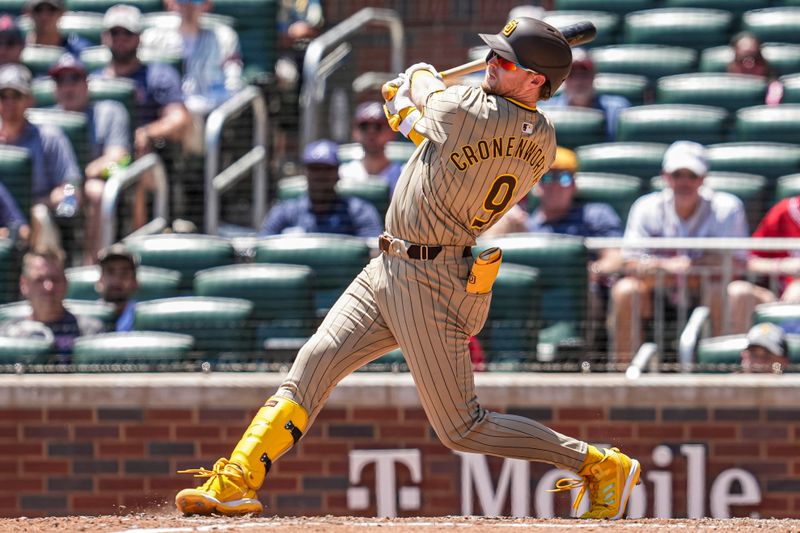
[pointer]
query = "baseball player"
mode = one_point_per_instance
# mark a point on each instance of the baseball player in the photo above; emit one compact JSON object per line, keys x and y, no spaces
{"x":481,"y":150}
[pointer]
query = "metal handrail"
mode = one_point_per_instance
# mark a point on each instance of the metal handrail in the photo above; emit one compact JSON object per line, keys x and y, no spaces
{"x":647,"y":356}
{"x":217,"y":182}
{"x":123,"y":179}
{"x":309,"y":95}
{"x":691,"y":334}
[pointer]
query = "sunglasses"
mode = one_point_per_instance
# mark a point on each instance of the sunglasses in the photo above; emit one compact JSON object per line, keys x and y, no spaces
{"x":198,"y":2}
{"x":370,"y":126}
{"x":10,"y":95}
{"x":505,"y":64}
{"x":45,"y":8}
{"x":72,"y":77}
{"x":564,"y":178}
{"x":120,"y":32}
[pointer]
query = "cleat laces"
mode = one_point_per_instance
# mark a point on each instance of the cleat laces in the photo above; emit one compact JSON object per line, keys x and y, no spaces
{"x":220,"y":470}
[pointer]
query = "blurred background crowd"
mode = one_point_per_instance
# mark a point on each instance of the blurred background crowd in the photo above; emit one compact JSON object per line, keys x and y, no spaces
{"x":190,"y":181}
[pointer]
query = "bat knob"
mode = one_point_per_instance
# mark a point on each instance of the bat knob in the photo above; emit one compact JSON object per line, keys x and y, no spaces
{"x":388,"y":91}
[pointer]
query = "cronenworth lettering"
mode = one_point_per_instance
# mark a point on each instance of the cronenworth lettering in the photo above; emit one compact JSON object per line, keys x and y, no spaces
{"x":480,"y":494}
{"x":513,"y":146}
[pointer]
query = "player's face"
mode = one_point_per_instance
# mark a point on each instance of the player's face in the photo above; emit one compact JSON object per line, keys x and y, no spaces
{"x":72,"y":91}
{"x":684,"y":183}
{"x":757,"y":359}
{"x":500,"y":79}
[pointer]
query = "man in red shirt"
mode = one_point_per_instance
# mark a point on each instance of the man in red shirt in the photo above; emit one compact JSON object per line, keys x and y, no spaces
{"x":783,"y":220}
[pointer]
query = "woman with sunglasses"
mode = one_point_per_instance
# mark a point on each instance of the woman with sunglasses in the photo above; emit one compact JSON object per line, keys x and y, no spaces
{"x":483,"y":148}
{"x":45,"y":15}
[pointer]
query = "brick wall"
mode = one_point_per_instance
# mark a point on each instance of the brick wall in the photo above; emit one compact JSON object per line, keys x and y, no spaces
{"x":106,"y":444}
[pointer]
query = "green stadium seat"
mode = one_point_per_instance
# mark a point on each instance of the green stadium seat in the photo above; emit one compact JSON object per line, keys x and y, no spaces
{"x":335,"y":259}
{"x":726,"y":350}
{"x":631,"y":86}
{"x":9,"y":272}
{"x":642,"y":160}
{"x":786,"y":315}
{"x":39,"y":58}
{"x":769,"y":123}
{"x":617,"y":190}
{"x":86,"y":24}
{"x":186,"y":253}
{"x":652,"y":61}
{"x":777,"y":24}
{"x":256,"y":24}
{"x":101,"y":6}
{"x":783,"y":58}
{"x":786,"y":3}
{"x":695,"y":28}
{"x":220,"y":326}
{"x":771,"y":160}
{"x":577,"y":125}
{"x":74,"y":125}
{"x":787,"y":186}
{"x":374,"y":192}
{"x":511,"y":333}
{"x":791,"y":89}
{"x":606,"y":23}
{"x":91,"y":309}
{"x":729,"y":91}
{"x":26,"y":351}
{"x":284,"y":312}
{"x":737,"y":7}
{"x":668,"y":123}
{"x":751,"y":189}
{"x":153,"y":283}
{"x":135,"y":347}
{"x":561,"y":261}
{"x":619,"y":7}
{"x":12,"y":7}
{"x":15,"y":169}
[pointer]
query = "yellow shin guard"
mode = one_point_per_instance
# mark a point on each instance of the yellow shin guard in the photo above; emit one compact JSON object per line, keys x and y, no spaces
{"x":274,"y":430}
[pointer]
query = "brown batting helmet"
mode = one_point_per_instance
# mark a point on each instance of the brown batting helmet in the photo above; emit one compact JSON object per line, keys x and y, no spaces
{"x":536,"y":46}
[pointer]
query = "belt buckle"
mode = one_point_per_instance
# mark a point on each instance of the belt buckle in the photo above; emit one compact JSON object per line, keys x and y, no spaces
{"x":423,"y":252}
{"x":397,"y":246}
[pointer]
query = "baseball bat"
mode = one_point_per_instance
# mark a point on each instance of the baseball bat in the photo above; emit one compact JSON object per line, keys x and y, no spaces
{"x":576,"y":34}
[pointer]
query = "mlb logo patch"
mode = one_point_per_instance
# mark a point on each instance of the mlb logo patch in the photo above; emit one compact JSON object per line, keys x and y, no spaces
{"x":527,"y":128}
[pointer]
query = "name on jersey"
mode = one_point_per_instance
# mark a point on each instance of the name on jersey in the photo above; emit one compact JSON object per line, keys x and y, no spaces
{"x":516,"y":147}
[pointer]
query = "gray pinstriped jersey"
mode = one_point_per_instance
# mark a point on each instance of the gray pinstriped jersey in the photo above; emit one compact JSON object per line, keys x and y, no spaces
{"x":483,"y":154}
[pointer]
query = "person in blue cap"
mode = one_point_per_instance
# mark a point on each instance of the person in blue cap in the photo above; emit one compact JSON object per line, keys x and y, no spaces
{"x":321,"y":210}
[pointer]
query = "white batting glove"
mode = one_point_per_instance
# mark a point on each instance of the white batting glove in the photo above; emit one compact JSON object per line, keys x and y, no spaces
{"x":422,"y":66}
{"x":402,"y":98}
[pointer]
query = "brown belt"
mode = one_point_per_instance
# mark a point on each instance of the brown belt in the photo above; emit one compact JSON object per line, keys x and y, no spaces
{"x":420,"y":252}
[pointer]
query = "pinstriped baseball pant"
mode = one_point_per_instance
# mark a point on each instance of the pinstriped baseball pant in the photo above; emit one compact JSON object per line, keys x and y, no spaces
{"x":423,"y":307}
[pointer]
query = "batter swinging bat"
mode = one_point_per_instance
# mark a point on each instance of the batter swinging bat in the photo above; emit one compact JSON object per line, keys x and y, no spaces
{"x":576,"y":34}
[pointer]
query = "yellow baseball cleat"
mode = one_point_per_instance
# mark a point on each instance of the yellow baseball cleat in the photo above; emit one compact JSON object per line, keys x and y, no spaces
{"x":225,"y":492}
{"x":610,"y":476}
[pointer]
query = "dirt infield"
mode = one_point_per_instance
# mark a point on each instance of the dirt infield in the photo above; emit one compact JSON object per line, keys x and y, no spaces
{"x":169,"y":523}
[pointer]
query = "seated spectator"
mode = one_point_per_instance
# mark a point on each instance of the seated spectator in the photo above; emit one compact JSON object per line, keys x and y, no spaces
{"x":13,"y":224}
{"x":55,"y":176}
{"x":118,"y":284}
{"x":109,"y":138}
{"x":748,"y":59}
{"x":782,"y":220}
{"x":579,"y":92}
{"x":372,"y":132}
{"x":160,"y":113}
{"x":44,"y":285}
{"x":683,"y":209}
{"x":322,"y":210}
{"x":11,"y":40}
{"x":45,"y":15}
{"x":767,"y":350}
{"x":212,"y":70}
